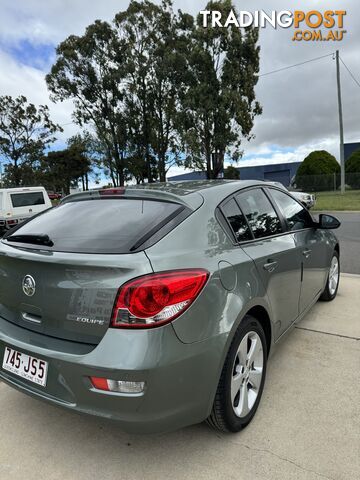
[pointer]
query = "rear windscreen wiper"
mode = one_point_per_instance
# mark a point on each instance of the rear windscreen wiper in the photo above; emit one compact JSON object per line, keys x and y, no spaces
{"x":35,"y":239}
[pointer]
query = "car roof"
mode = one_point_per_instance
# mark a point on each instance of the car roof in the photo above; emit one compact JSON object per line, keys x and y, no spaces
{"x":22,"y":189}
{"x":191,"y":193}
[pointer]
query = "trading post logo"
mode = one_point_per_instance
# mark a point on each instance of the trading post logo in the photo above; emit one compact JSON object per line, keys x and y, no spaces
{"x":308,"y":26}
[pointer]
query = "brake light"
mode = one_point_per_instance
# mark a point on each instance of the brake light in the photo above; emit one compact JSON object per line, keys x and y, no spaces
{"x":112,"y":191}
{"x":157,"y":299}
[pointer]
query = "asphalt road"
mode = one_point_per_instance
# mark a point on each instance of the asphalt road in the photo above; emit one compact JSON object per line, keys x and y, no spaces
{"x":349,"y":236}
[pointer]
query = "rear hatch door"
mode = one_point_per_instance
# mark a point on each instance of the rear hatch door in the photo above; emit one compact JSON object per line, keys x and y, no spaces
{"x":67,"y":296}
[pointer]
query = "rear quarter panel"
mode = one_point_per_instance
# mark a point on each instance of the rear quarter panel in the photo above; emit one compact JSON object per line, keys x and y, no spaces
{"x":233,"y":286}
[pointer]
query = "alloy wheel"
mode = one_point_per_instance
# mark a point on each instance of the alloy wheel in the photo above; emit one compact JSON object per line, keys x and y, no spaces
{"x":333,"y":275}
{"x":247,"y":373}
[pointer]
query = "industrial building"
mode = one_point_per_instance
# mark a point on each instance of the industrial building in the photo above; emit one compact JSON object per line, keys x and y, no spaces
{"x":279,"y":172}
{"x":349,"y":148}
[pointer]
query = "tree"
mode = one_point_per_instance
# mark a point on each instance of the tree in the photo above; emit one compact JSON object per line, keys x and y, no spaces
{"x":154,"y":37}
{"x":220,"y":104}
{"x":231,"y":173}
{"x":83,"y":146}
{"x":25,"y":132}
{"x":90,"y":70}
{"x":352,"y":170}
{"x":317,"y":170}
{"x":62,"y":169}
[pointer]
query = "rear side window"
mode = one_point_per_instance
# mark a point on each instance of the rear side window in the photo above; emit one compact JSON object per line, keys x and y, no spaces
{"x":27,"y":199}
{"x":101,"y":225}
{"x":259,"y":212}
{"x":237,"y":221}
{"x":296,"y":216}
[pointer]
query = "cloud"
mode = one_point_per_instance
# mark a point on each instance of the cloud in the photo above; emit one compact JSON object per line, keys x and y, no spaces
{"x":19,"y":79}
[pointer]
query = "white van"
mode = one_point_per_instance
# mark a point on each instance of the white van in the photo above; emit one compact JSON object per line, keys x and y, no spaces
{"x":18,"y":204}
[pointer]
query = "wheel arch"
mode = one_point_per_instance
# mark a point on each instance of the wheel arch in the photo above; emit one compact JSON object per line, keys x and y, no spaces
{"x":261,"y":314}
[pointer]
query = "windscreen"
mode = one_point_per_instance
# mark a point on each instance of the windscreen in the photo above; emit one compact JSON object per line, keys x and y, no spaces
{"x":98,"y":226}
{"x":27,"y":199}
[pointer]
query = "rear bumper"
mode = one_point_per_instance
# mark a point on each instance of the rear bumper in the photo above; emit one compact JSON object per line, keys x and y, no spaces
{"x":181,"y":379}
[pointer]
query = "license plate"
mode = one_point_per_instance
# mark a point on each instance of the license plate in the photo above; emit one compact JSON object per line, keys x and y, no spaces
{"x":30,"y":368}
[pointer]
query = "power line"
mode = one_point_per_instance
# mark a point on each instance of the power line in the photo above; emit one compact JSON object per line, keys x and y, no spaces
{"x":296,"y":65}
{"x":350,"y":73}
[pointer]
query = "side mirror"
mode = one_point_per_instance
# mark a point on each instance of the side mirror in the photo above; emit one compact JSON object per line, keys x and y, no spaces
{"x":328,"y":222}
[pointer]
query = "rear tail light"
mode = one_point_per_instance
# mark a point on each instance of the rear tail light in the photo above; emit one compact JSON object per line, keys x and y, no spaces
{"x":12,"y":222}
{"x":156,"y":299}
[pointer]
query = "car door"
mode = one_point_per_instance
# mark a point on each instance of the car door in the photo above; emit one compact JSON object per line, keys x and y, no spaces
{"x":275,"y":255}
{"x":309,"y":243}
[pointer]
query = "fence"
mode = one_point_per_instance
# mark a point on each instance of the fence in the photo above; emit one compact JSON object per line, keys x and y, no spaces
{"x":331,"y":182}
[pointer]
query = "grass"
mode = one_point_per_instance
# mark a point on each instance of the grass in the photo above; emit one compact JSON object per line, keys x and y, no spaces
{"x":335,"y":201}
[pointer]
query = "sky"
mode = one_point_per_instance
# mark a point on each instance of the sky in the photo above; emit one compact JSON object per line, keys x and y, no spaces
{"x":299,"y":104}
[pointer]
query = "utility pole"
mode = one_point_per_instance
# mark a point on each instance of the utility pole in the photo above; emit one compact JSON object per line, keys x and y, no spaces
{"x":342,"y":160}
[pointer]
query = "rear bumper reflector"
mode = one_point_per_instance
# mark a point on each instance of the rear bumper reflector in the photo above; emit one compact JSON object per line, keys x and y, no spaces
{"x":118,"y":386}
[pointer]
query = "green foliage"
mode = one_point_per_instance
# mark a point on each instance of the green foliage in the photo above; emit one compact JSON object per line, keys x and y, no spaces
{"x":156,"y":64}
{"x":153,"y":83}
{"x":352,"y":169}
{"x":61,"y":169}
{"x":317,"y":171}
{"x":82,"y":147}
{"x":90,"y":70}
{"x":231,"y":173}
{"x":25,"y":132}
{"x":319,"y":162}
{"x":219,"y":106}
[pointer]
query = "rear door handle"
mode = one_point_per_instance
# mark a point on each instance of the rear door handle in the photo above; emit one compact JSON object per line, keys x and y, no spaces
{"x":270,"y":266}
{"x":306,"y":253}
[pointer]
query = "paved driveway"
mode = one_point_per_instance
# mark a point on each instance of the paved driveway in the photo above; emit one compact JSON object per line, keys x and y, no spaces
{"x":307,"y":426}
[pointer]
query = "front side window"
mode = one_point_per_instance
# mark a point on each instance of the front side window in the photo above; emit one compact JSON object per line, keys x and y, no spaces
{"x":237,"y":221}
{"x":259,"y":212}
{"x":27,"y":199}
{"x":297,"y":217}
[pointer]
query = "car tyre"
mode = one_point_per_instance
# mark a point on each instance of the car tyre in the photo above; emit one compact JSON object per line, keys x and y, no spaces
{"x":244,"y":370}
{"x":333,"y":279}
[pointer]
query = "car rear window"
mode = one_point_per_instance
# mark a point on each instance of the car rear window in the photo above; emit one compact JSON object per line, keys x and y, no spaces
{"x":27,"y":199}
{"x":237,"y":221}
{"x":100,"y":225}
{"x":259,"y":212}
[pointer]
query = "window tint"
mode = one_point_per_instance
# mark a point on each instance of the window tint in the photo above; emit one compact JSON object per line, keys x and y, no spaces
{"x":259,"y":212}
{"x":297,"y":217}
{"x":237,"y":221}
{"x":100,"y":226}
{"x":27,"y":199}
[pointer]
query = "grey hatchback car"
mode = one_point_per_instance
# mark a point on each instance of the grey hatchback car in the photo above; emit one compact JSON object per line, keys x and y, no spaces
{"x":158,"y":305}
